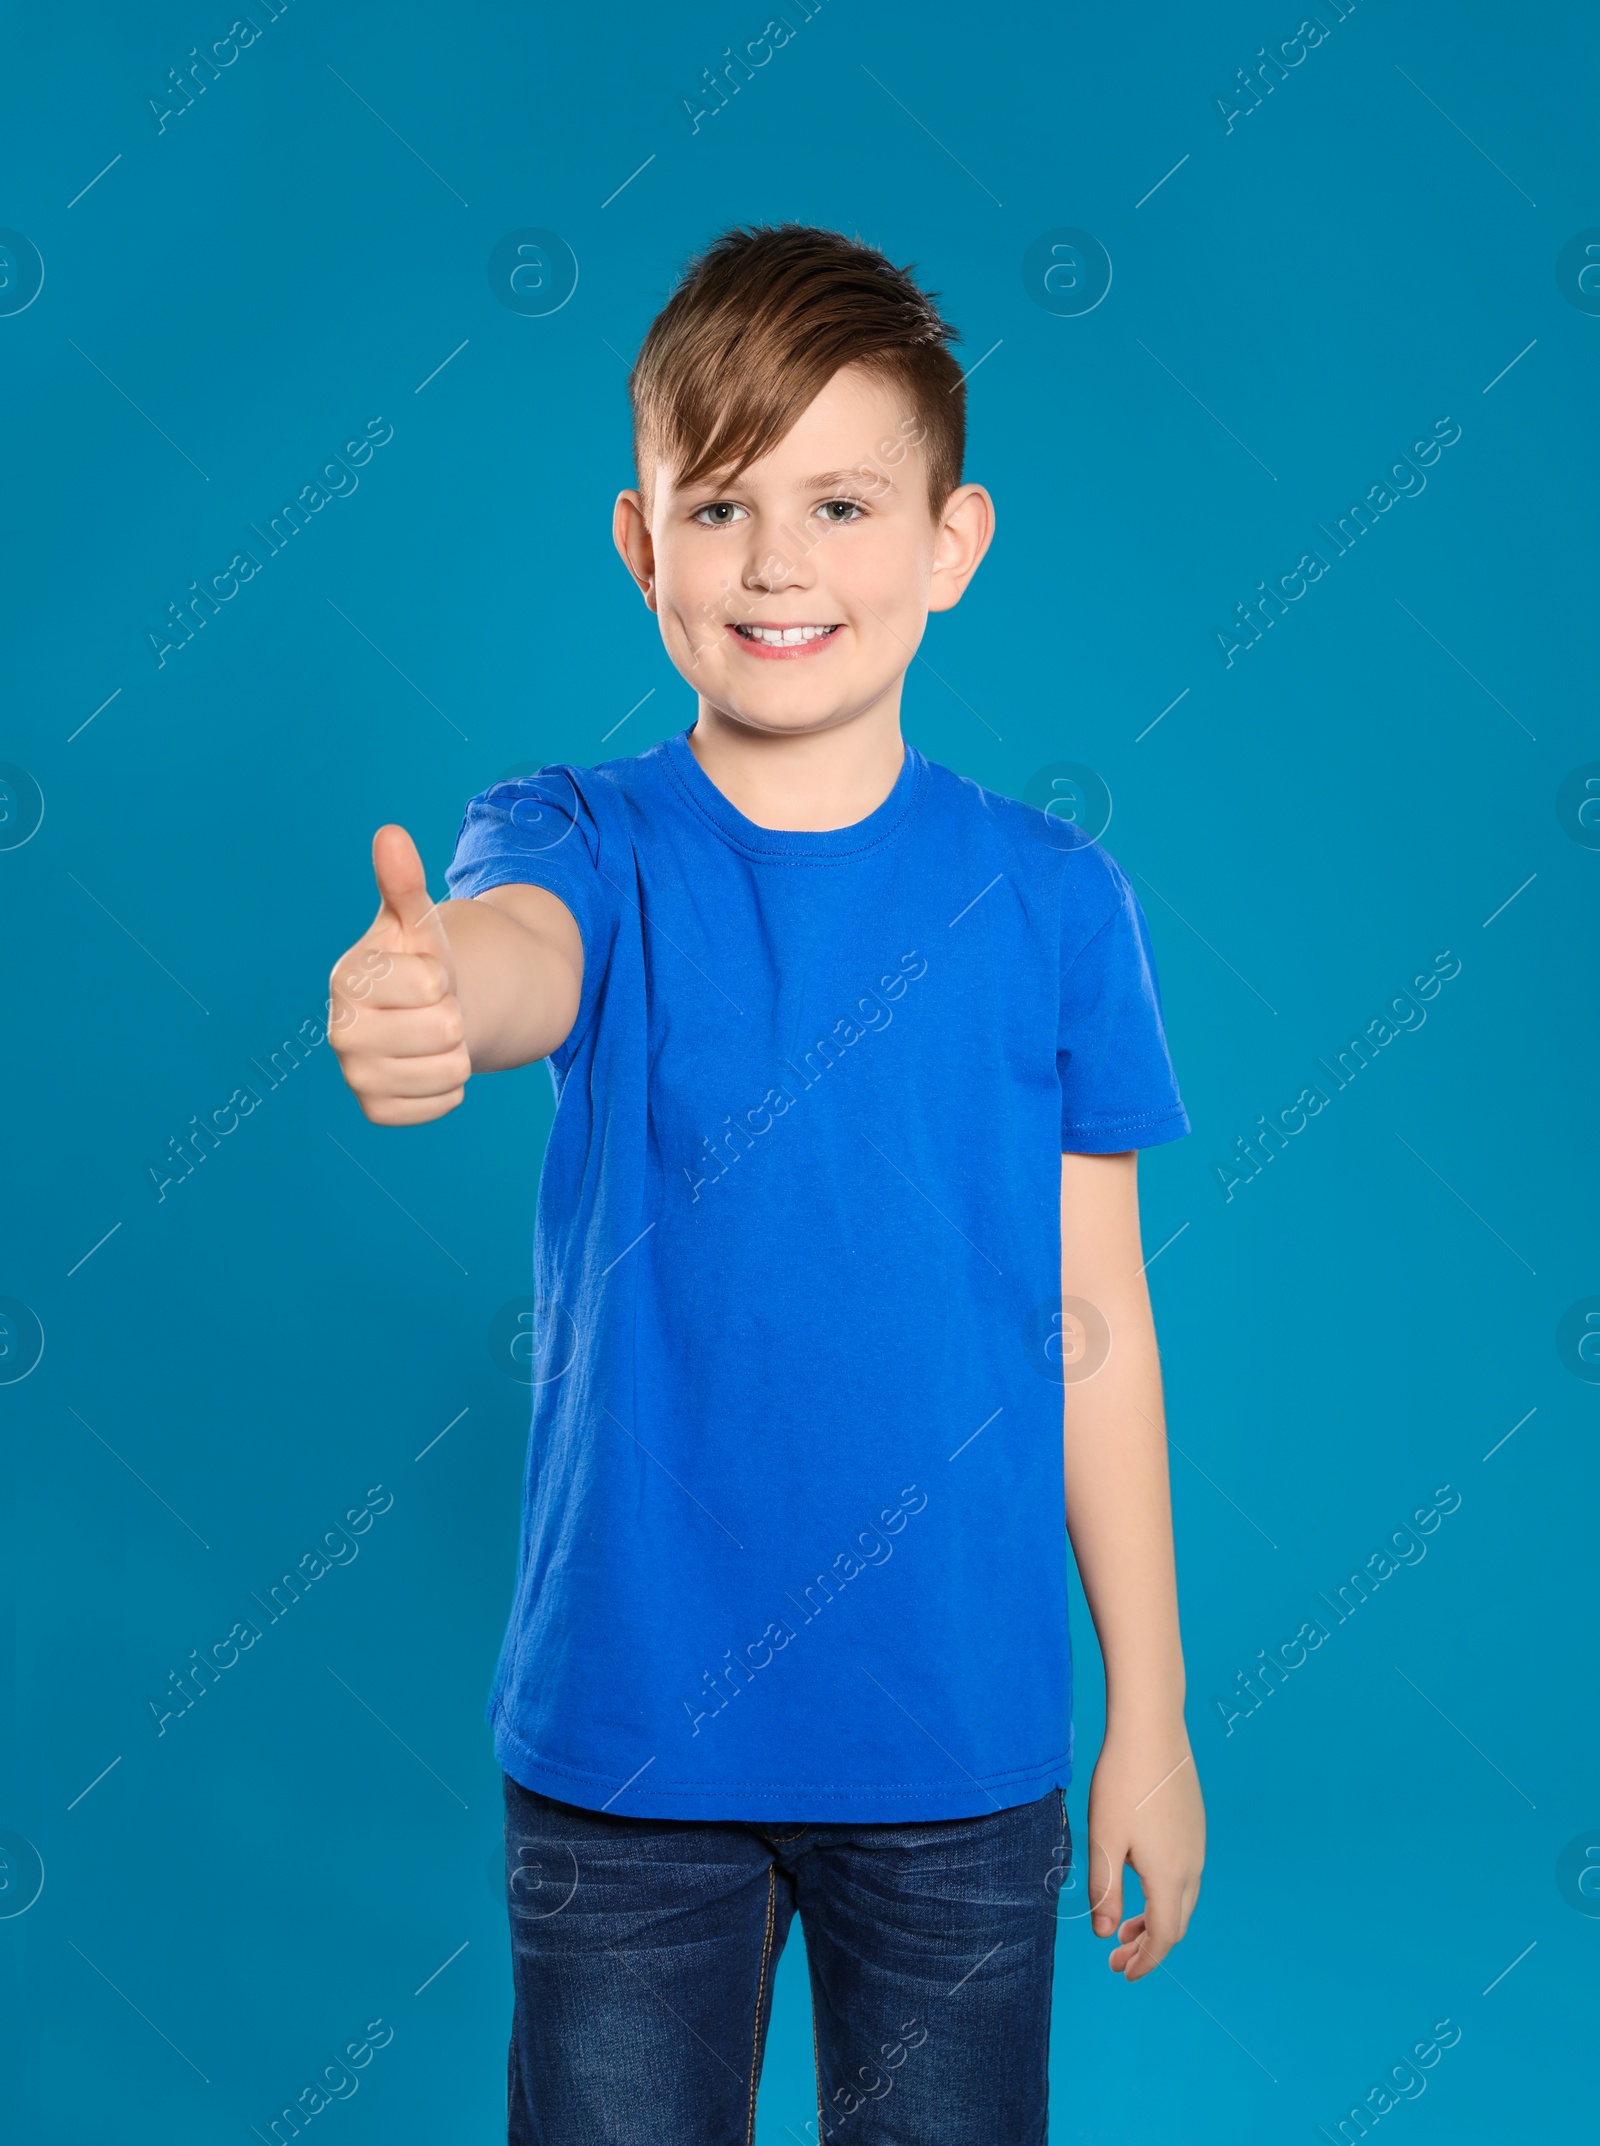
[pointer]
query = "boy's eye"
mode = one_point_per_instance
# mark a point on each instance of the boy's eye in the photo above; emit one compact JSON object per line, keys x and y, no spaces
{"x":840,"y":511}
{"x":717,"y":513}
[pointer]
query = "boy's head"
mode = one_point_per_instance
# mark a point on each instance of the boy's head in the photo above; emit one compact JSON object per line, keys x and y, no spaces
{"x":798,"y":431}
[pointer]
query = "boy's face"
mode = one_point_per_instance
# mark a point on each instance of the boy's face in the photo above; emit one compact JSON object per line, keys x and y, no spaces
{"x":830,"y":533}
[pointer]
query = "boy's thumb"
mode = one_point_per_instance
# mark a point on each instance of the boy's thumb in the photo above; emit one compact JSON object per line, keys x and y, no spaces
{"x":403,"y":885}
{"x":1108,"y":1907}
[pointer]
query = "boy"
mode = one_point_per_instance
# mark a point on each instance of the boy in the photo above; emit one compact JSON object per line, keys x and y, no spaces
{"x":838,"y":1262}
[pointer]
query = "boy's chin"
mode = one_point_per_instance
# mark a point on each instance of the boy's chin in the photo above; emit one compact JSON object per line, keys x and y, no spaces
{"x":780,"y":699}
{"x":783,"y":715}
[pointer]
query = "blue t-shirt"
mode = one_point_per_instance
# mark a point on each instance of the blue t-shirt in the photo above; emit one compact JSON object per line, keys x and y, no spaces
{"x":793,"y":1529}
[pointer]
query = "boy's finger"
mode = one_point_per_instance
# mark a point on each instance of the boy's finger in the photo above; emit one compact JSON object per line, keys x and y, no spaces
{"x":408,"y":1032}
{"x":355,"y":973}
{"x":1159,"y":1930}
{"x":1135,"y":1960}
{"x":408,"y":1110}
{"x":1186,"y":1906}
{"x":1108,"y":1908}
{"x":397,"y":867}
{"x":403,"y":1079}
{"x":403,"y":886}
{"x":402,"y":980}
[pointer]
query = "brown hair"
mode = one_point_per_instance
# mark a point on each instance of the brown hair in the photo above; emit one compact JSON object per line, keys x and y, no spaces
{"x":757,"y":327}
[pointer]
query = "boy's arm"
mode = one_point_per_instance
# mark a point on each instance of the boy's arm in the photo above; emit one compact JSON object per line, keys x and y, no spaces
{"x":1144,"y":1802}
{"x":434,"y":992}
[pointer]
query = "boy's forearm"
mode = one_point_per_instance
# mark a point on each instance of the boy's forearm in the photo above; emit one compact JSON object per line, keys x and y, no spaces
{"x":1118,"y":1502}
{"x":515,"y":978}
{"x":1120,"y":1520}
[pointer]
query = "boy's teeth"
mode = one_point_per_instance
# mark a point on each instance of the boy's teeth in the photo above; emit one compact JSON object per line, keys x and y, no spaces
{"x":784,"y":636}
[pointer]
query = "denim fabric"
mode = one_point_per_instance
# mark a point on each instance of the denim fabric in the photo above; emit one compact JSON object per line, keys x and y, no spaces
{"x":644,"y":1950}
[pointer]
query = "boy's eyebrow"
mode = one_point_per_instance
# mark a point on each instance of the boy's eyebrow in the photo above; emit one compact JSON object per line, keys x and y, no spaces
{"x":879,"y":479}
{"x":875,"y":479}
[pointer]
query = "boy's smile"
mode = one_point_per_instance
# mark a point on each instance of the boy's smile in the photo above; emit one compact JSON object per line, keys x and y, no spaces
{"x":769,"y":639}
{"x":793,"y":596}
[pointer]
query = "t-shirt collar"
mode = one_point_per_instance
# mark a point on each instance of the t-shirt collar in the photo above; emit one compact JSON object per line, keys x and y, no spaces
{"x":832,"y":845}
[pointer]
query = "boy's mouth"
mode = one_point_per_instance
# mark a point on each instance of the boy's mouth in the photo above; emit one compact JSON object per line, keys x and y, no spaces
{"x":783,"y":641}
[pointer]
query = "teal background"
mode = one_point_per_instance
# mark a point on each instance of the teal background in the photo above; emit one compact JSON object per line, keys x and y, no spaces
{"x":1375,"y":783}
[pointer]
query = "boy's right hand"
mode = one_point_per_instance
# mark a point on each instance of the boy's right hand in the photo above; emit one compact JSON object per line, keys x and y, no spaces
{"x":394,"y":1017}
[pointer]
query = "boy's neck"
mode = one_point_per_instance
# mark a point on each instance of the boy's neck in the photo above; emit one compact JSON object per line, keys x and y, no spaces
{"x":807,"y":781}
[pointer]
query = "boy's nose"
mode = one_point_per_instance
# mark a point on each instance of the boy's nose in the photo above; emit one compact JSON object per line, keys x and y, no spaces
{"x":776,"y":561}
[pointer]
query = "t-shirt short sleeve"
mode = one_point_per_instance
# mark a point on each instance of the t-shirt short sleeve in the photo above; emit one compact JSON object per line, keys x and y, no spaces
{"x":1118,"y":1089}
{"x":540,"y":831}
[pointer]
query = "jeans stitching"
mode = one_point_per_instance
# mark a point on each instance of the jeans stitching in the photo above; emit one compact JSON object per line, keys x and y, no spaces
{"x":816,"y":2059}
{"x":761,"y":1979}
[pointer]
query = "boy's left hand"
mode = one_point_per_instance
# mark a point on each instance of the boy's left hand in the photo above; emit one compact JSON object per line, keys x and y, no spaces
{"x":1145,"y":1809}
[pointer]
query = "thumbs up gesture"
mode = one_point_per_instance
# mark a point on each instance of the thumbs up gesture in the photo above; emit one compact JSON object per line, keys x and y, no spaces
{"x":394,"y":1017}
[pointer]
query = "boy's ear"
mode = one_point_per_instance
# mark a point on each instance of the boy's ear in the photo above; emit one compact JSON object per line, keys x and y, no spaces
{"x":631,"y":532}
{"x":966,"y":526}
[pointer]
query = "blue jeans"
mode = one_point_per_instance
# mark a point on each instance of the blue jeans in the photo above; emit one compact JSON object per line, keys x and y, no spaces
{"x":644,"y":1950}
